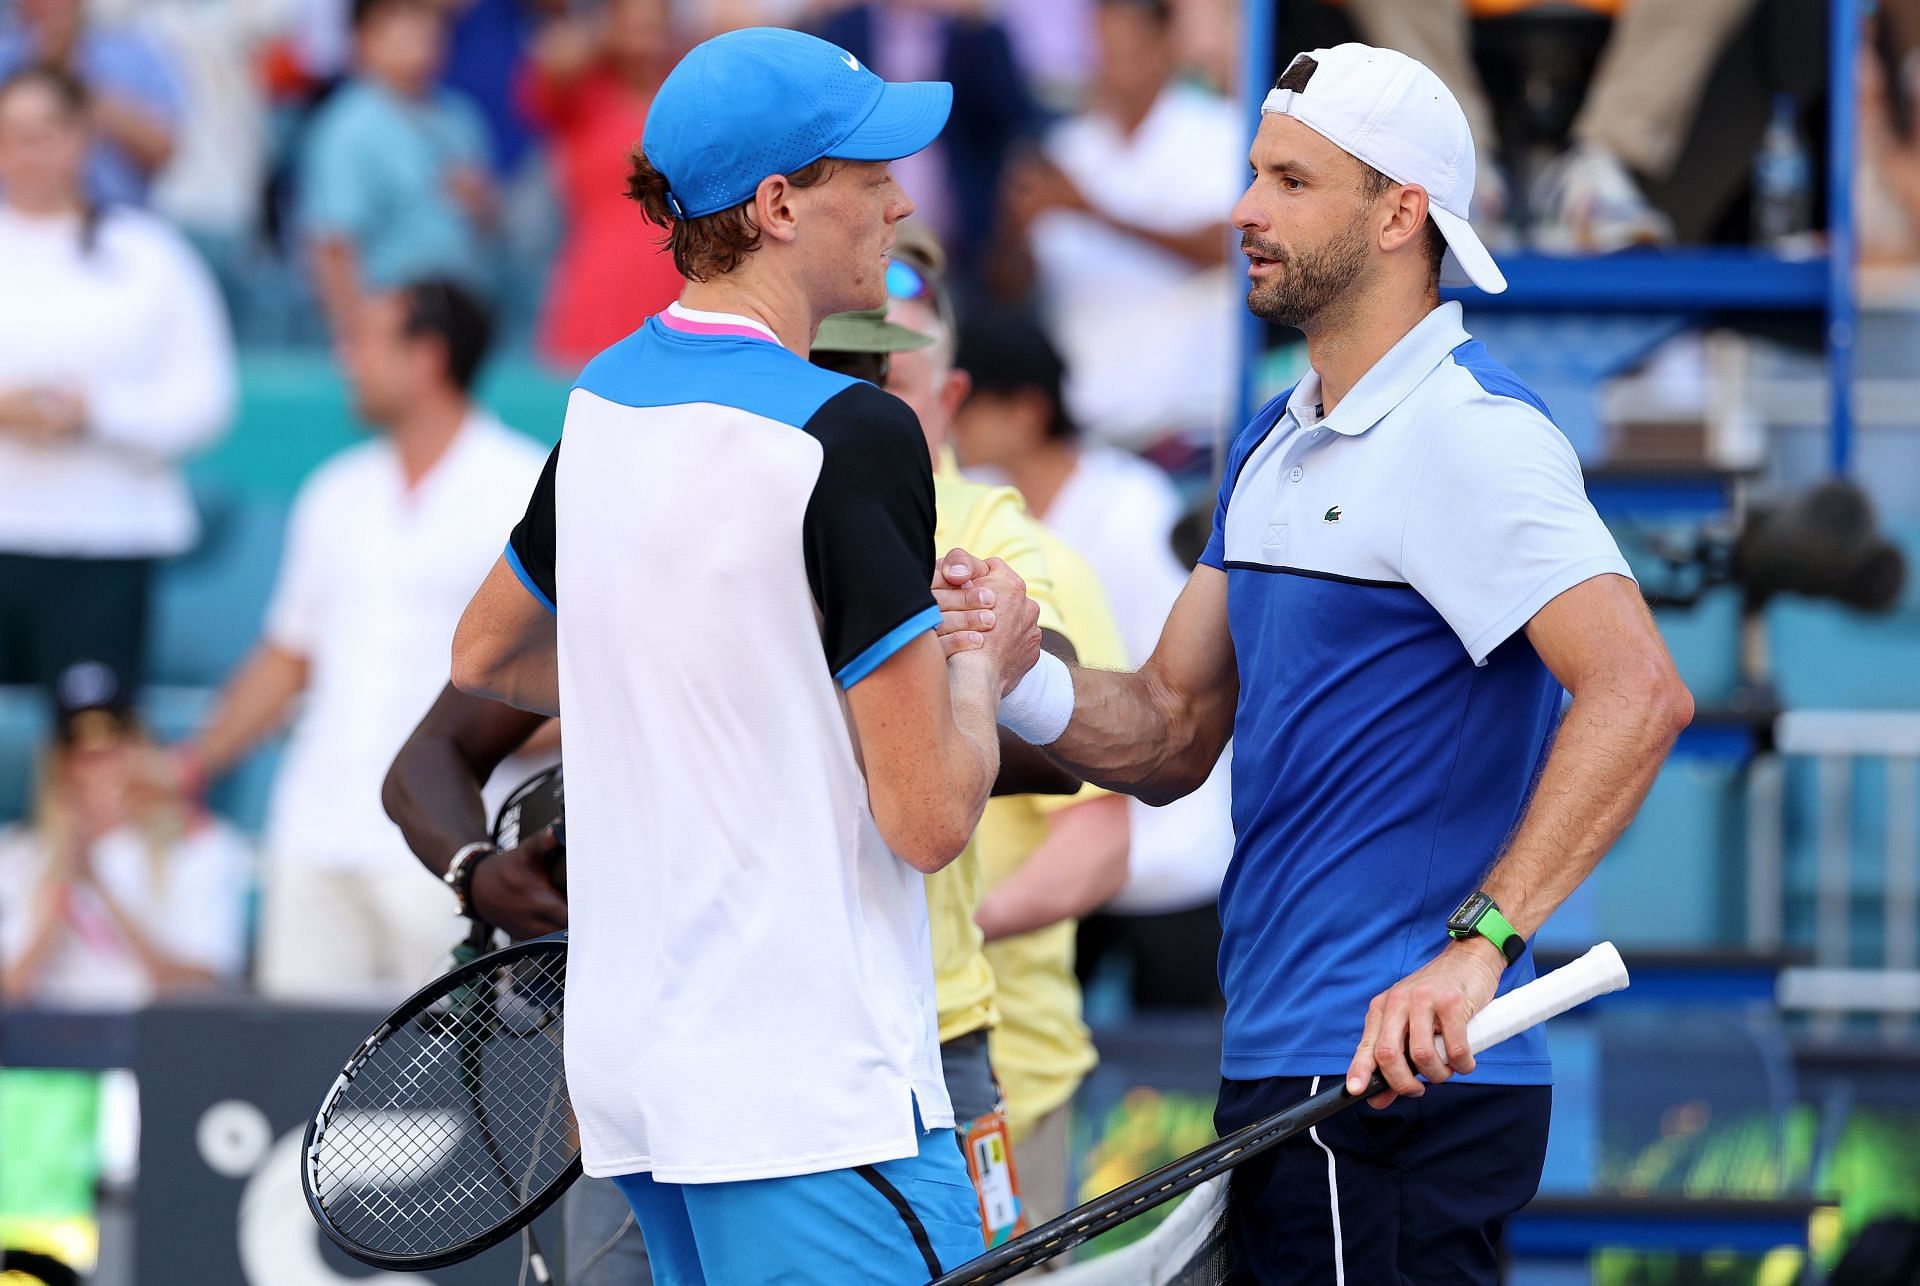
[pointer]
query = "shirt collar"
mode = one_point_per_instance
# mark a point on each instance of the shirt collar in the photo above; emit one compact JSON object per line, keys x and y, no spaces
{"x":694,"y":321}
{"x":1389,"y":380}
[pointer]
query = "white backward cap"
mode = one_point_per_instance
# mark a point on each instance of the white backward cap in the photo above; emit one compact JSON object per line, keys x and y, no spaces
{"x":1391,"y":112}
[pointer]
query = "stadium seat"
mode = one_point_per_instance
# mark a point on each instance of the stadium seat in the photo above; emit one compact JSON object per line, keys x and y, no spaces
{"x":208,"y":605}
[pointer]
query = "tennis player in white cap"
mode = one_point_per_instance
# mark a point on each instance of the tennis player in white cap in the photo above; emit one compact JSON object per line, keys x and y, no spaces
{"x":1404,"y":574}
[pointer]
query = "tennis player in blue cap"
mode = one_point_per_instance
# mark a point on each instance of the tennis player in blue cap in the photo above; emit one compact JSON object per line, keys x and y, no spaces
{"x":724,"y":577}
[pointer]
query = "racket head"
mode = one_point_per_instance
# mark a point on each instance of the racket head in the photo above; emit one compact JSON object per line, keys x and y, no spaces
{"x":450,"y":1128}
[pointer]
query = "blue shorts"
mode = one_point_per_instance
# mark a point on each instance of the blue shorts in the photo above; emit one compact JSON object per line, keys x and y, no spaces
{"x":892,"y":1223}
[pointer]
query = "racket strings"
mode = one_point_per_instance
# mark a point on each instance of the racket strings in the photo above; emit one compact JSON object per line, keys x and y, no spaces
{"x":454,"y":1119}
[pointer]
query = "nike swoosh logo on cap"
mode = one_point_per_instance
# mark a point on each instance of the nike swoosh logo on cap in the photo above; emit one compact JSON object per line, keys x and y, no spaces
{"x":853,"y":62}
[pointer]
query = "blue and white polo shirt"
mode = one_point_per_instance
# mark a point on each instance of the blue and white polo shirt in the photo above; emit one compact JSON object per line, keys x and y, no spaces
{"x":1381,"y":564}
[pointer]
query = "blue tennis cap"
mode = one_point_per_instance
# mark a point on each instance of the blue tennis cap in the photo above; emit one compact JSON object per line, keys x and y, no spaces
{"x":764,"y":101}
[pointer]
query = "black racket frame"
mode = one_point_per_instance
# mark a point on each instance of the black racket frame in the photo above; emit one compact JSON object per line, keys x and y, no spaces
{"x":441,"y":989}
{"x":1084,"y":1222}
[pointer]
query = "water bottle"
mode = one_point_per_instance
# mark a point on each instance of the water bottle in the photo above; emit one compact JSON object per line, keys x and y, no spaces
{"x":1782,"y":183}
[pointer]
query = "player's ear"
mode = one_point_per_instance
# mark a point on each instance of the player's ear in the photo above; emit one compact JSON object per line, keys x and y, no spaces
{"x":1406,"y":216}
{"x":773,"y":208}
{"x":954,"y":393}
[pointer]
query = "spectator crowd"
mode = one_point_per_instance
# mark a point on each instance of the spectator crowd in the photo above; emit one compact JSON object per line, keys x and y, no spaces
{"x":403,"y":183}
{"x":410,"y":185}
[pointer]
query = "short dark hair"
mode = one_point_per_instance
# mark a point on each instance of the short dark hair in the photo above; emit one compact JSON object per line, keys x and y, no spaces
{"x":1161,"y":11}
{"x":712,"y":244}
{"x":1008,"y":351}
{"x":451,"y":313}
{"x":1373,"y":185}
{"x":365,"y":11}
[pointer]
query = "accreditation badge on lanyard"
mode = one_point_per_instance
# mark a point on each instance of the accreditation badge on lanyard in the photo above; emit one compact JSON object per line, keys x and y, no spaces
{"x":990,"y":1165}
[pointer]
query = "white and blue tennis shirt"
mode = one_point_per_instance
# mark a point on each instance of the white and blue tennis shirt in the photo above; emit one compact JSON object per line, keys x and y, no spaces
{"x":732,"y":537}
{"x":1381,"y":564}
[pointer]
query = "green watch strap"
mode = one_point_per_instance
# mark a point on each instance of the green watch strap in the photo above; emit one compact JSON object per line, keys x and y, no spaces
{"x":1493,"y":926}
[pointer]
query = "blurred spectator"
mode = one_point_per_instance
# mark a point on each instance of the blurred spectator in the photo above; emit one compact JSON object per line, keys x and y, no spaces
{"x":1118,"y":511}
{"x":115,"y":893}
{"x":1633,"y":121}
{"x":588,"y":85}
{"x":386,"y":543}
{"x":1887,"y":178}
{"x":486,"y":44}
{"x":323,"y":38}
{"x":137,"y":101}
{"x":211,"y":187}
{"x":953,"y":182}
{"x":1124,"y":216}
{"x":1053,"y":44}
{"x":394,"y":184}
{"x":115,"y":360}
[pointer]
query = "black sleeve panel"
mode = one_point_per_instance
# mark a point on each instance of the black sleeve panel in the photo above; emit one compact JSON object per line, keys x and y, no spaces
{"x":530,"y":548}
{"x":869,"y":530}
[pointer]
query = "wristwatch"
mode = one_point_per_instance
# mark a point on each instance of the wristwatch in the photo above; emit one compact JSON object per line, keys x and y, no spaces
{"x":459,"y":876}
{"x":1479,"y":915}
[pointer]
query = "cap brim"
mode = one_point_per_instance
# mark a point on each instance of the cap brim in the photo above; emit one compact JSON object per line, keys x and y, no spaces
{"x":905,"y":119}
{"x":842,"y":333}
{"x":1467,"y":262}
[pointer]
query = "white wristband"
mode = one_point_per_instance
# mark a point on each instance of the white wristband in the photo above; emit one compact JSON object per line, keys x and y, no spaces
{"x":1040,"y":706}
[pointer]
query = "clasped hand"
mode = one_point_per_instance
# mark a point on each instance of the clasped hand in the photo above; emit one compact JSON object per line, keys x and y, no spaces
{"x":984,"y":607}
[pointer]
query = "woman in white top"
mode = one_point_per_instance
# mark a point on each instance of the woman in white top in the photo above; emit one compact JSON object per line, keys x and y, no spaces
{"x":116,"y":893}
{"x":115,"y":361}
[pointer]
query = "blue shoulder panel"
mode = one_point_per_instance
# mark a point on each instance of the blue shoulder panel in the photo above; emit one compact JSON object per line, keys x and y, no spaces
{"x":655,"y":366}
{"x":1494,"y":377}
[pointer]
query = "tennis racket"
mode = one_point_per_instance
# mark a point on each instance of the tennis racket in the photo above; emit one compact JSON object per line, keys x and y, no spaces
{"x":1196,"y":1250}
{"x":450,"y":1128}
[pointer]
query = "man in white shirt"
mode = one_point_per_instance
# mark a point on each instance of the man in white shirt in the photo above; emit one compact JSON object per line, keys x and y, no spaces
{"x":384,"y":546}
{"x":1122,"y":218}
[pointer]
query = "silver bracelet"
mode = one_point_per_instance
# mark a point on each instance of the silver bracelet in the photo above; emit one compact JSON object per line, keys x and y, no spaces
{"x":459,"y":876}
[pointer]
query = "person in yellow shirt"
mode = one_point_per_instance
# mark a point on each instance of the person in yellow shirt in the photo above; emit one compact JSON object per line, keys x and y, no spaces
{"x":991,"y":522}
{"x":1050,"y":858}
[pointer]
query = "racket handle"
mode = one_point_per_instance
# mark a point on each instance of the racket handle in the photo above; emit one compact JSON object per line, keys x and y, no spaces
{"x":1596,"y":973}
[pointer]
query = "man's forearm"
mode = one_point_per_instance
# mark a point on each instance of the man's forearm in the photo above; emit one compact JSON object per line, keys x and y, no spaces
{"x":433,"y":790}
{"x":1608,"y":751}
{"x":145,"y":137}
{"x":1133,"y":733}
{"x":975,"y":690}
{"x":1079,"y":867}
{"x":336,"y":278}
{"x":256,"y":703}
{"x":433,"y":796}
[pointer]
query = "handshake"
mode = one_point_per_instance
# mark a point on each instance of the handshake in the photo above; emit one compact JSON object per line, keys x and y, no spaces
{"x":985,"y":611}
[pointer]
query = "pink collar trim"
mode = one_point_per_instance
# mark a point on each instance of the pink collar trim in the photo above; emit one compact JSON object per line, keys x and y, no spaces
{"x":692,"y":321}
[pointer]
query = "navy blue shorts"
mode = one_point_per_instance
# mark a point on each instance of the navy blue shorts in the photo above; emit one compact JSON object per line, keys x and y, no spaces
{"x":1417,"y":1193}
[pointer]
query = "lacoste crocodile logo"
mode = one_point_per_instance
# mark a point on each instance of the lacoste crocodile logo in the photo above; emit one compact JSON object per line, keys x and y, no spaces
{"x":1332,"y":515}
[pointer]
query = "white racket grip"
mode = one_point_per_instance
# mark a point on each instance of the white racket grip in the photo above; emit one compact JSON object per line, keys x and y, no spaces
{"x":1596,"y":973}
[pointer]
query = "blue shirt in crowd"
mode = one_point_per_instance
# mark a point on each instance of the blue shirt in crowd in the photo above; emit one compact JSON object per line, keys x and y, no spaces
{"x":114,"y":64}
{"x":375,"y":171}
{"x":1382,"y":563}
